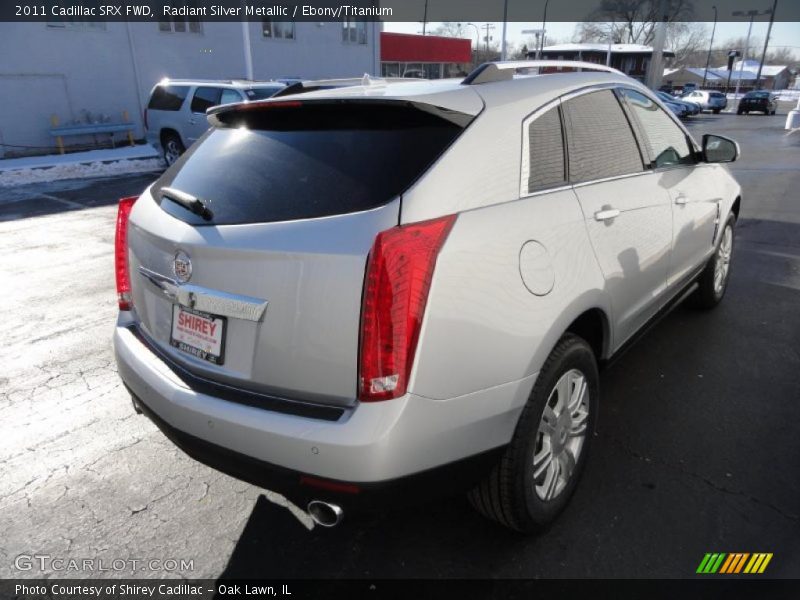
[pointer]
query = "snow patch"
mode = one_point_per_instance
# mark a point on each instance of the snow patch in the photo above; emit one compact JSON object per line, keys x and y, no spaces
{"x":23,"y":176}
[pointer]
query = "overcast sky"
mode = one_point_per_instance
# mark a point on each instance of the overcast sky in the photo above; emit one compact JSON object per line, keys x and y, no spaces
{"x":783,"y":34}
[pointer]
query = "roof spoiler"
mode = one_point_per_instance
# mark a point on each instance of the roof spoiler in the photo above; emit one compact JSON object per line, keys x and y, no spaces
{"x":505,"y":70}
{"x":324,"y":84}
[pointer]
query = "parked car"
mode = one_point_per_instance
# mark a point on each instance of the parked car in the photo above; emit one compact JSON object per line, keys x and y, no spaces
{"x":692,"y":108}
{"x":680,"y":109}
{"x":758,"y":101}
{"x":335,"y":296}
{"x":713,"y":101}
{"x":175,"y":115}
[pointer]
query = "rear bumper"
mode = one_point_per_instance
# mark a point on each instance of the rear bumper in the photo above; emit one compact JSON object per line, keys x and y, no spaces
{"x":373,"y":445}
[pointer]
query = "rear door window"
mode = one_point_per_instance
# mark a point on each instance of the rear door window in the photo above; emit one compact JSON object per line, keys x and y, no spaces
{"x":306,"y":161}
{"x":228,"y":96}
{"x":600,"y":141}
{"x":168,"y":97}
{"x":204,"y":98}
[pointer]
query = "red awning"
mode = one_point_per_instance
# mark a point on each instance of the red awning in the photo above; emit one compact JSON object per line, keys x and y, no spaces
{"x":405,"y":47}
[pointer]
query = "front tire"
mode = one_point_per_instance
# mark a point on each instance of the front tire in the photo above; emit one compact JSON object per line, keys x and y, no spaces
{"x":714,"y":279}
{"x":535,"y":478}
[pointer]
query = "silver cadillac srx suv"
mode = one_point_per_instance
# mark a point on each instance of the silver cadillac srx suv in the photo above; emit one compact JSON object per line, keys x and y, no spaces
{"x":390,"y":290}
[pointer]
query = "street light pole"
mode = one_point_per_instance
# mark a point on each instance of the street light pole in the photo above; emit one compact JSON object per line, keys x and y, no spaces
{"x":477,"y":41}
{"x":540,"y":49}
{"x":425,"y":17}
{"x":710,"y":45}
{"x":752,"y":14}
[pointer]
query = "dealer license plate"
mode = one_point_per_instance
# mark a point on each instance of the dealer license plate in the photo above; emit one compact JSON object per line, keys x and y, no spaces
{"x":199,"y":334}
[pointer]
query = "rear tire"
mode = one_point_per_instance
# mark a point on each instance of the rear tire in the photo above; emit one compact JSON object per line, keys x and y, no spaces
{"x":714,"y":278}
{"x":537,"y":474}
{"x":716,"y":111}
{"x":173,"y":147}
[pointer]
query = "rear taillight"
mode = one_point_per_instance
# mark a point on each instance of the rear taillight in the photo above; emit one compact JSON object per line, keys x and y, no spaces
{"x":399,"y":274}
{"x":121,"y":253}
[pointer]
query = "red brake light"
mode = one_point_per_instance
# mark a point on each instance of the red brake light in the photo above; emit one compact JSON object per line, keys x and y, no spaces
{"x":399,"y":274}
{"x":121,"y":254}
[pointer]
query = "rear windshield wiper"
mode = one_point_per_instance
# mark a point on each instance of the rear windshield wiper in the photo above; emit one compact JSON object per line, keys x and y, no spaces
{"x":188,"y":202}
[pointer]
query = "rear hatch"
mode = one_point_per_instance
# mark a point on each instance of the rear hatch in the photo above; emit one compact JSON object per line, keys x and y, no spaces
{"x":264,"y":292}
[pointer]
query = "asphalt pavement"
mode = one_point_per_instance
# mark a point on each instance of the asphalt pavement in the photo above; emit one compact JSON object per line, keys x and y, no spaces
{"x":697,"y":446}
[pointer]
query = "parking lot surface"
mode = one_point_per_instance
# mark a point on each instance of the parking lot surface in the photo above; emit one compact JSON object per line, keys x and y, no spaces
{"x":697,"y":447}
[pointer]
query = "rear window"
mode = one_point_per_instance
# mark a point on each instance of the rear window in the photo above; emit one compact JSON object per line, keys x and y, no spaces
{"x":315,"y":160}
{"x":168,"y":97}
{"x":262,"y":93}
{"x":716,"y":95}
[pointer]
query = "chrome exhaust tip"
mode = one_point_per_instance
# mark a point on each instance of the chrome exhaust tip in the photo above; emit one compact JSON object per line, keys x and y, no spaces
{"x":325,"y":514}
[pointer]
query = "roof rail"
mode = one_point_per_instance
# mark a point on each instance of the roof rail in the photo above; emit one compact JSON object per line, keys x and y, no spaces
{"x":504,"y":70}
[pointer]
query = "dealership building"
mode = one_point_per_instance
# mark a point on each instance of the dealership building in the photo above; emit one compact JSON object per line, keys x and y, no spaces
{"x":428,"y":56}
{"x":81,"y":71}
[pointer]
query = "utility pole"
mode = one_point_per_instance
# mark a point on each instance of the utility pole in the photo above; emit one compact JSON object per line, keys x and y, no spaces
{"x":766,"y":41}
{"x":477,"y":40}
{"x":752,"y":14}
{"x":425,"y":17}
{"x":655,"y":71}
{"x":505,"y":26}
{"x":710,"y":45}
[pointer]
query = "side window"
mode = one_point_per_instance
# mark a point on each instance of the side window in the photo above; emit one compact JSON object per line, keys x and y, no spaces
{"x":666,"y":142}
{"x":168,"y":97}
{"x":544,"y":147}
{"x":600,"y":141}
{"x":204,"y":98}
{"x":229,"y":96}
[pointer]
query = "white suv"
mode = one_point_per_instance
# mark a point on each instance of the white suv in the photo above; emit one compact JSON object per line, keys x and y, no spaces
{"x":175,"y":116}
{"x":409,"y":287}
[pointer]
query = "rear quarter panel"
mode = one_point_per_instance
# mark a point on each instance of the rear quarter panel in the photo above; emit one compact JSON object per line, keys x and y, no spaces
{"x":483,"y":327}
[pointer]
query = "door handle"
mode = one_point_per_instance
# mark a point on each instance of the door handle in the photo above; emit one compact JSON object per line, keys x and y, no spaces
{"x":604,"y":215}
{"x":681,"y":199}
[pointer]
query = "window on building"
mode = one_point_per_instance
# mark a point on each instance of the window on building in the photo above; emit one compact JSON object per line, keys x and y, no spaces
{"x":68,"y":23}
{"x":545,"y":166}
{"x":181,"y":25}
{"x":281,"y":30}
{"x":390,"y":69}
{"x":666,"y":142}
{"x":204,"y":98}
{"x":354,"y":32}
{"x":600,"y":141}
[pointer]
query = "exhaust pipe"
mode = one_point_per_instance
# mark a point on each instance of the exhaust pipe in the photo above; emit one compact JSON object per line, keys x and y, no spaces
{"x":324,"y":513}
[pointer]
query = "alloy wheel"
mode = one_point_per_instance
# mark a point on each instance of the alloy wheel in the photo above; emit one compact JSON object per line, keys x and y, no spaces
{"x":561,"y":434}
{"x":723,"y":260}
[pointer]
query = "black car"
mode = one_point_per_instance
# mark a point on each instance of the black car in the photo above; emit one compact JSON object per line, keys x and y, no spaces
{"x":759,"y":101}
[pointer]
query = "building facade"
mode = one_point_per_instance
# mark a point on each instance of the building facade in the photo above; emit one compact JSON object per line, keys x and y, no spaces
{"x":631,"y":59}
{"x":773,"y":77}
{"x":428,"y":56}
{"x":81,"y":71}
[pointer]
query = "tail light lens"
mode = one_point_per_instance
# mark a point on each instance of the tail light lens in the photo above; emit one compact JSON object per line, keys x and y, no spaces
{"x":121,"y":254}
{"x":399,"y":273}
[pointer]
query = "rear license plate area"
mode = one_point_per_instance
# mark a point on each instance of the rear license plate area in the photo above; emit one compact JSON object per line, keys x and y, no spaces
{"x":197,"y":333}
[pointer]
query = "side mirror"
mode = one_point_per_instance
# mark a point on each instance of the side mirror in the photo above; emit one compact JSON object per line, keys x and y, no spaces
{"x":719,"y":149}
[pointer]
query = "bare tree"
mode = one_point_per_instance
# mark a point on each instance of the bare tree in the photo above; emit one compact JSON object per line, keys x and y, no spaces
{"x":689,"y":42}
{"x":451,"y":29}
{"x":630,"y":21}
